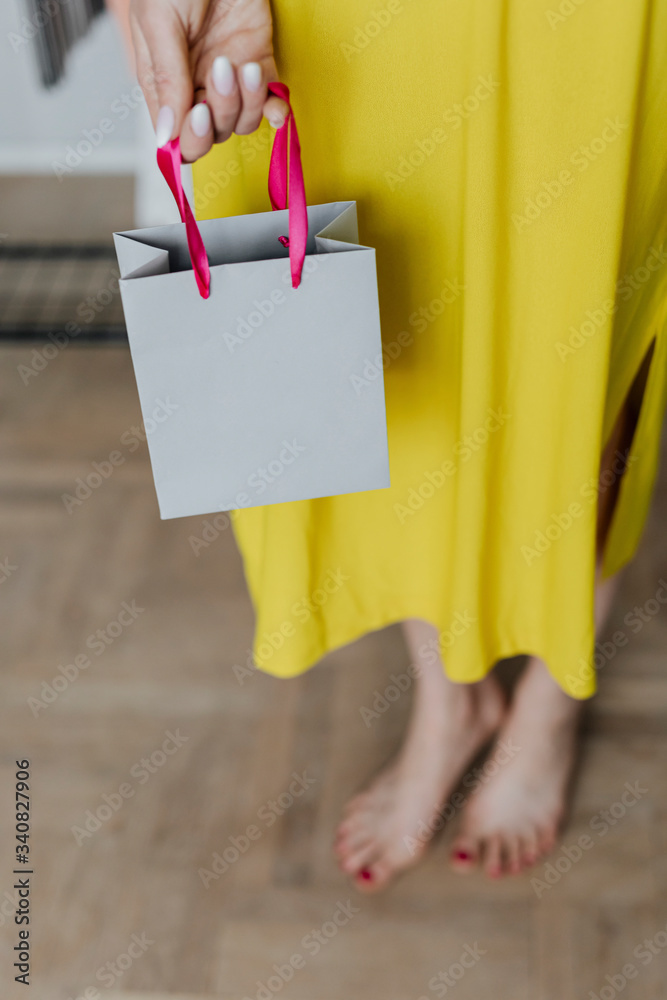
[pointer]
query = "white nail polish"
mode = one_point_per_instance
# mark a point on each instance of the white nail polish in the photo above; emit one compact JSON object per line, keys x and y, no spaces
{"x":223,"y":76}
{"x":164,"y":126}
{"x":252,"y":75}
{"x":200,"y":120}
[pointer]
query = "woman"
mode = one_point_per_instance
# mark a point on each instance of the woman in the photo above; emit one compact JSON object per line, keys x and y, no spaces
{"x":508,"y":160}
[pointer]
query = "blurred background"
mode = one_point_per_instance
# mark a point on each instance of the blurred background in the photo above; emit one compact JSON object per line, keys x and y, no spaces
{"x":153,"y":744}
{"x":76,"y":162}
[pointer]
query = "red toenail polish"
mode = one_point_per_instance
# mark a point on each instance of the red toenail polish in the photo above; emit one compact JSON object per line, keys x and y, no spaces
{"x":462,"y":856}
{"x":366,"y":875}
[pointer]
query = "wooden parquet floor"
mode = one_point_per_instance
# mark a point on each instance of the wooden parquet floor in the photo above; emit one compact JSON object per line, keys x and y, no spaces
{"x":151,"y":735}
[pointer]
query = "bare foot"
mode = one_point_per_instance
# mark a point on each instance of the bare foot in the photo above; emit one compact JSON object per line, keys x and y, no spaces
{"x":386,"y":828}
{"x":512,"y":820}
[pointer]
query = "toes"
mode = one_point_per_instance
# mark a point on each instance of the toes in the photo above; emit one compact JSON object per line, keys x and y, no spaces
{"x":530,"y":850}
{"x":501,"y":853}
{"x":464,"y":854}
{"x":493,"y":856}
{"x":365,"y":880}
{"x":374,"y":877}
{"x":359,"y":859}
{"x":352,"y":843}
{"x":348,"y":828}
{"x":513,"y":854}
{"x":353,"y":826}
{"x":546,"y":841}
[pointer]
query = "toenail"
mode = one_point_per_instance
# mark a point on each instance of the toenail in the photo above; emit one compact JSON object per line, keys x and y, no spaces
{"x":462,"y":856}
{"x":366,"y":875}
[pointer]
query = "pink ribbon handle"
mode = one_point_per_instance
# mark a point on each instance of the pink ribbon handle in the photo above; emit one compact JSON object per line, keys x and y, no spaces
{"x":286,"y":160}
{"x":285,"y":174}
{"x":169,"y":162}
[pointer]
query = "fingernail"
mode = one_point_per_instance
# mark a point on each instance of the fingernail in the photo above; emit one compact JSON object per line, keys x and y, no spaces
{"x":276,"y":119}
{"x":164,"y":125}
{"x":252,"y":75}
{"x":366,"y":875}
{"x":200,"y":120}
{"x":223,"y":76}
{"x":462,"y":856}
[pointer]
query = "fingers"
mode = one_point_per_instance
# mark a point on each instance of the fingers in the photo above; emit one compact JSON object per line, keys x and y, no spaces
{"x":233,"y":94}
{"x":161,"y":41}
{"x":223,"y":96}
{"x":252,"y":84}
{"x":238,"y":97}
{"x":275,"y":111}
{"x":145,"y":75}
{"x":197,"y":133}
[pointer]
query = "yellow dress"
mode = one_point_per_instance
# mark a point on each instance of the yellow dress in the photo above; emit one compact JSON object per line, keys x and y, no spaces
{"x":508,"y":160}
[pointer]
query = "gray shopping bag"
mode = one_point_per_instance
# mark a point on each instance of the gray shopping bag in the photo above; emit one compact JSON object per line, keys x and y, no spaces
{"x":252,"y":396}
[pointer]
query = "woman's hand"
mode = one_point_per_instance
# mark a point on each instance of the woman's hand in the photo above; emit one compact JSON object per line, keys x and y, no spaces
{"x":217,"y":51}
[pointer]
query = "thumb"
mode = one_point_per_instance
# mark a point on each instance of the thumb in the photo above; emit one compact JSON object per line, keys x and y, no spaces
{"x":275,"y":111}
{"x":168,"y":88}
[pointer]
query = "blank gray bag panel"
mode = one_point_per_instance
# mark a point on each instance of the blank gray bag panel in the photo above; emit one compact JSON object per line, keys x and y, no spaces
{"x":248,"y":396}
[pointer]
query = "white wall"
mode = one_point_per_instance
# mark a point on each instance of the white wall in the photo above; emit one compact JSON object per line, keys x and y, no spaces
{"x":40,"y":130}
{"x":37,"y":125}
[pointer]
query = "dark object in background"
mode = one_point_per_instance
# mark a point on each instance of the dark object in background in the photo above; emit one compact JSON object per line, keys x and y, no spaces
{"x":58,"y":25}
{"x":60,"y":293}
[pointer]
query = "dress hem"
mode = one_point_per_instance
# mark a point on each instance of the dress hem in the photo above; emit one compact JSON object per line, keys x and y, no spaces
{"x":588,"y":689}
